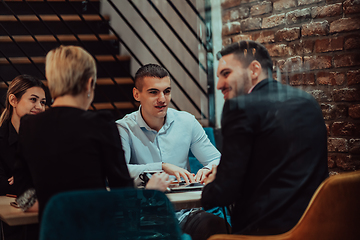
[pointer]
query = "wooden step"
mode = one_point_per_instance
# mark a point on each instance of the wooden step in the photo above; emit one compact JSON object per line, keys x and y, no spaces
{"x":119,"y":105}
{"x":61,"y":37}
{"x":99,"y":81}
{"x":49,"y":0}
{"x":25,"y":60}
{"x":108,"y":81}
{"x":51,"y":18}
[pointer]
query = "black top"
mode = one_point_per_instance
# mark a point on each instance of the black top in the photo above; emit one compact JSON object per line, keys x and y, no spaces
{"x":273,"y":159}
{"x":8,"y":146}
{"x":66,"y":149}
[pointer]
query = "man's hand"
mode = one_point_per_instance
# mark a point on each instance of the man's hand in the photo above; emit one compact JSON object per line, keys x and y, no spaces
{"x":11,"y":180}
{"x":178,"y":172}
{"x":159,"y":181}
{"x":211,"y":175}
{"x":201,"y":175}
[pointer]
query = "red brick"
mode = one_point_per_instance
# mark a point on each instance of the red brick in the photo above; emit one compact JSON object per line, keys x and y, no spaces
{"x":346,"y":60}
{"x":264,"y":36}
{"x":345,"y":25}
{"x":334,"y":111}
{"x":326,"y":11}
{"x":302,"y":47}
{"x":278,"y":50}
{"x":320,"y":95}
{"x":327,"y":129}
{"x":351,"y":6}
{"x":301,"y":79}
{"x":315,"y":28}
{"x":331,"y":160}
{"x":226,"y":41}
{"x":352,"y":42}
{"x":230,"y":3}
{"x":345,"y":129}
{"x":354,"y":111}
{"x":306,"y":2}
{"x":354,"y":145}
{"x":283,"y":78}
{"x":283,"y":4}
{"x":297,"y":16}
{"x":317,"y":62}
{"x":337,"y":145}
{"x":330,"y":78}
{"x":292,"y":64}
{"x":287,"y":34}
{"x":346,"y":94}
{"x":329,"y":44}
{"x":241,"y":37}
{"x":273,"y":21}
{"x":348,"y":162}
{"x":231,"y":28}
{"x":250,"y":24}
{"x":353,"y":77}
{"x":235,"y":14}
{"x":262,"y":8}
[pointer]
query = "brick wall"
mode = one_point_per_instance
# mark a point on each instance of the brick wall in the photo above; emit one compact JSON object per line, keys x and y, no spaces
{"x":315,"y":46}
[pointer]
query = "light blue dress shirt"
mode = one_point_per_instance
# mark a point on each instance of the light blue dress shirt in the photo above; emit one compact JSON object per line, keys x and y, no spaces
{"x":145,"y":149}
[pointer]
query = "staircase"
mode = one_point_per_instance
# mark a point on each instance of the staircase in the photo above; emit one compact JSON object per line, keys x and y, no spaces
{"x":28,"y":30}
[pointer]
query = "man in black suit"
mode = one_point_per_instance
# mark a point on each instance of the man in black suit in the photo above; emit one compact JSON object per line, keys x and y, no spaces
{"x":274,"y":153}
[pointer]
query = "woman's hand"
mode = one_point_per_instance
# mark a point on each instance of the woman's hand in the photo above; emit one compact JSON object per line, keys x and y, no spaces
{"x":11,"y":180}
{"x":159,"y":181}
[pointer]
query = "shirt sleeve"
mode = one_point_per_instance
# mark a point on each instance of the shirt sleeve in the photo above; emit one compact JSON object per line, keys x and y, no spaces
{"x":237,"y":139}
{"x":202,"y":148}
{"x":134,"y":169}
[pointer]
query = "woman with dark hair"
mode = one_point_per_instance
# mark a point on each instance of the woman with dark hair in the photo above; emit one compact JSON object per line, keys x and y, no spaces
{"x":25,"y":95}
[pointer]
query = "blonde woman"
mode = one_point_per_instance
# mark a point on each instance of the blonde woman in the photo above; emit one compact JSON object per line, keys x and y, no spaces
{"x":80,"y":149}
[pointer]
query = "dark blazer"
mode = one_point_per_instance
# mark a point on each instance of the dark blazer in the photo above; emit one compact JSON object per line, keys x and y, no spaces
{"x":64,"y":149}
{"x":274,"y":157}
{"x":8,"y":146}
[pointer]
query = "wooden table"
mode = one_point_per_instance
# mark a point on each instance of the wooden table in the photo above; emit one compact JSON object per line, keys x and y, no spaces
{"x":184,"y":200}
{"x":15,"y":216}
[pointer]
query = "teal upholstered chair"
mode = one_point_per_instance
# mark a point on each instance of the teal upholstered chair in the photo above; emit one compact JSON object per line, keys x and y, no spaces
{"x":118,"y":214}
{"x":195,"y":165}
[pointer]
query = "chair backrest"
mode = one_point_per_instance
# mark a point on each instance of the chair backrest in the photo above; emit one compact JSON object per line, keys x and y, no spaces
{"x":333,"y":213}
{"x":118,"y":214}
{"x":195,"y":165}
{"x":334,"y":210}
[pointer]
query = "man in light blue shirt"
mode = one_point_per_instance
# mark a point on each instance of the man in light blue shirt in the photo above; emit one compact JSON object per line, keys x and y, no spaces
{"x":156,"y":138}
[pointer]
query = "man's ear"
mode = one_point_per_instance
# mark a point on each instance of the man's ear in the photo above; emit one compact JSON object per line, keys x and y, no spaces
{"x":13,"y":100}
{"x":255,"y":70}
{"x":136,"y":94}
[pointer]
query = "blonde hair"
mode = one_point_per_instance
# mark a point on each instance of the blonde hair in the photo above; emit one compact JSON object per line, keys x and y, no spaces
{"x":68,"y":68}
{"x":18,"y":86}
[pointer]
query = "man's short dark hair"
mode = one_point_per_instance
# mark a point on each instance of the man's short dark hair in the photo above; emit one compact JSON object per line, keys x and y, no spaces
{"x":248,"y":51}
{"x":149,"y":70}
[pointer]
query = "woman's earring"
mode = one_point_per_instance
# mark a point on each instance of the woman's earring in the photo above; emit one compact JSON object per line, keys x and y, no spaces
{"x":88,"y":94}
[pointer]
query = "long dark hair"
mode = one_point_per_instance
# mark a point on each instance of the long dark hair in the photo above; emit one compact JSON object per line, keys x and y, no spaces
{"x":18,"y":86}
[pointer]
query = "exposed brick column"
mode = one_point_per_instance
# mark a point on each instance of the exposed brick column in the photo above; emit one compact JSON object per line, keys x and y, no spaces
{"x":315,"y":46}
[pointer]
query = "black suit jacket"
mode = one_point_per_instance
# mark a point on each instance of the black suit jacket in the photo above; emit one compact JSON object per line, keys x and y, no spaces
{"x":274,"y":157}
{"x":8,"y":146}
{"x":64,"y":149}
